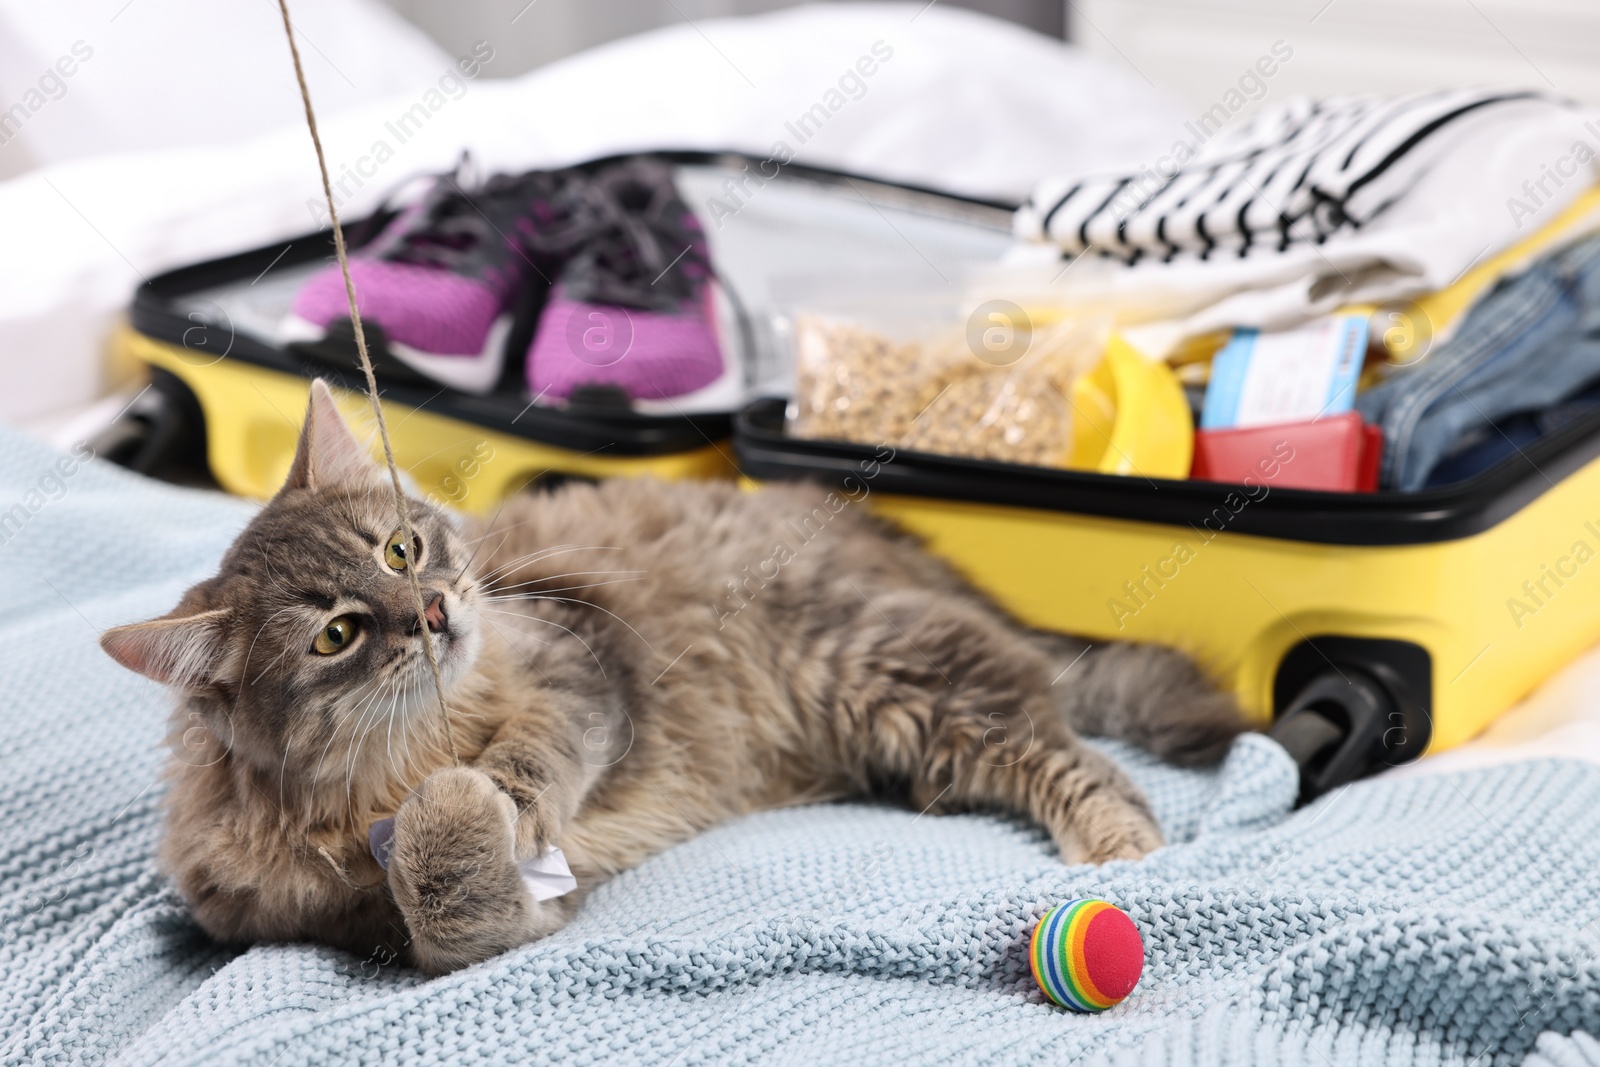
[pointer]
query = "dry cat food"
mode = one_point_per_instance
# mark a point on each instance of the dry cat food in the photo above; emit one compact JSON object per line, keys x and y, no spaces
{"x":855,"y":384}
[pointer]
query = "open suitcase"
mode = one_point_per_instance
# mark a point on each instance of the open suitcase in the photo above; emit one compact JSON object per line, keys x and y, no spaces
{"x":1365,"y":629}
{"x":228,"y":388}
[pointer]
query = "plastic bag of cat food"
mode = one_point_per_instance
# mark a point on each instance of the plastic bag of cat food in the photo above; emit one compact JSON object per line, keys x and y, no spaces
{"x":999,"y":389}
{"x":853,"y":383}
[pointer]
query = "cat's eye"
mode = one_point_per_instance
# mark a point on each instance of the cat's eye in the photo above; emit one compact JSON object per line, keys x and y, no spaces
{"x":397,"y":554}
{"x":336,"y":636}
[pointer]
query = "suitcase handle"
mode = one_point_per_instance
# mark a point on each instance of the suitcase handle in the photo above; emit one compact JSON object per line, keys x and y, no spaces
{"x":1337,"y":728}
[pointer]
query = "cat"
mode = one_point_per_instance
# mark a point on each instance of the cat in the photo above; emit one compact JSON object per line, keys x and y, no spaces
{"x":615,"y":683}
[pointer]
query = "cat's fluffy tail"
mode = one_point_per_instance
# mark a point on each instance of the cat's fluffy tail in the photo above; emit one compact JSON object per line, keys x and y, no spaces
{"x":1147,"y":695}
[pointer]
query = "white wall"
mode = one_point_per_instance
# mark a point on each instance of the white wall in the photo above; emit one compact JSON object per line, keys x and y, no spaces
{"x":1197,"y":49}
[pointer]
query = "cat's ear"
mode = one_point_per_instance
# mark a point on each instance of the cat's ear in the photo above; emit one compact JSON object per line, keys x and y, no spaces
{"x":186,"y":651}
{"x":329,"y":454}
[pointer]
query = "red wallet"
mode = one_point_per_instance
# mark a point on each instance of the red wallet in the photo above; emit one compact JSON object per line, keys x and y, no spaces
{"x":1339,"y":454}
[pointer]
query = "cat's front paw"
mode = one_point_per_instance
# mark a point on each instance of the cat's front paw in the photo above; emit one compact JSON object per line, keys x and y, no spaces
{"x":1110,"y":827}
{"x":1127,"y":833}
{"x":453,"y":872}
{"x":1108,"y":818}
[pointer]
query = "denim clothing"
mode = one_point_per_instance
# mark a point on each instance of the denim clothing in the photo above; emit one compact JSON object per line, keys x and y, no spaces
{"x":1533,"y":342}
{"x":1492,"y":445}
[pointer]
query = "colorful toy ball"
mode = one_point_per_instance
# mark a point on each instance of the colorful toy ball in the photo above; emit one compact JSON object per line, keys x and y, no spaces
{"x":1086,"y":955}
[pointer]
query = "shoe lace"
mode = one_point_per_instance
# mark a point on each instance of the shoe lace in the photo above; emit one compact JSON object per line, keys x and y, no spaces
{"x":448,"y":226}
{"x":630,"y":238}
{"x":449,"y":234}
{"x":624,"y":233}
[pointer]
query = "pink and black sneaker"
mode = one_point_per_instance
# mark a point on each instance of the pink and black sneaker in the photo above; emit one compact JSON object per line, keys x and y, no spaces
{"x":633,"y":306}
{"x":442,"y":278}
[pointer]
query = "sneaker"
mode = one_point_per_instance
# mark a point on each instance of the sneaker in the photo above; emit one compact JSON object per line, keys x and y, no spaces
{"x":441,"y":279}
{"x":633,"y":307}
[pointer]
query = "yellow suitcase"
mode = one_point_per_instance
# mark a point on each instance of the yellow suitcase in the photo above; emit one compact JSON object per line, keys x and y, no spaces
{"x":1364,"y":629}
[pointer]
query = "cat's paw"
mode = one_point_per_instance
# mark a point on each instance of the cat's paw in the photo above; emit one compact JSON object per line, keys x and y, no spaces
{"x":1108,"y":818}
{"x":1110,"y":827}
{"x":533,"y":816}
{"x":453,"y":872}
{"x":1127,"y":834}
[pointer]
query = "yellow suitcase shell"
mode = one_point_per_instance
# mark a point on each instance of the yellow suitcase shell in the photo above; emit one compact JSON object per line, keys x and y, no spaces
{"x":252,"y":420}
{"x":1494,"y":592}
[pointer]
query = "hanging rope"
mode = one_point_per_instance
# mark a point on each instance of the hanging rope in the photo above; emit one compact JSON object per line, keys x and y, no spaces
{"x":372,"y":386}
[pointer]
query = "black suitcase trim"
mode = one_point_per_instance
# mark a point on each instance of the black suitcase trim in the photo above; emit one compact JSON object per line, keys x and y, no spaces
{"x":765,"y":451}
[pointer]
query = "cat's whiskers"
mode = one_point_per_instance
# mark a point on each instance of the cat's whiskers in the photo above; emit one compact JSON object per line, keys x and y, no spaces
{"x":359,"y":713}
{"x":489,"y":531}
{"x":597,"y":607}
{"x":267,"y":563}
{"x":527,"y":558}
{"x":388,"y":743}
{"x":351,"y":512}
{"x":533,"y":594}
{"x":542,"y":554}
{"x":251,"y":650}
{"x":358,"y":736}
{"x":283,"y":770}
{"x":499,"y":530}
{"x":333,"y":735}
{"x":557,"y":625}
{"x":381,"y":779}
{"x":349,"y":765}
{"x":355,"y":752}
{"x":479,"y":543}
{"x":405,"y":741}
{"x":275,"y":582}
{"x":279,"y":658}
{"x":567,"y":574}
{"x":400,"y":770}
{"x":521,"y":615}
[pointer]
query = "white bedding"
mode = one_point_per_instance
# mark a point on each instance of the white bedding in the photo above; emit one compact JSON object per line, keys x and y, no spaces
{"x":100,"y":76}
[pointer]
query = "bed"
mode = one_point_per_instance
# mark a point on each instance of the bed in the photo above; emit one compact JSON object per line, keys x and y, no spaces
{"x":1440,"y":918}
{"x":1444,"y":913}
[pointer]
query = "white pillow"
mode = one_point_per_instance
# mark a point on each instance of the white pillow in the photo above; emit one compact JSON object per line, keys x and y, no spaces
{"x":955,"y":100}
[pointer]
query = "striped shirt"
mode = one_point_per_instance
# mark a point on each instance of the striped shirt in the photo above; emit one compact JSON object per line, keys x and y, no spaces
{"x":1301,"y":173}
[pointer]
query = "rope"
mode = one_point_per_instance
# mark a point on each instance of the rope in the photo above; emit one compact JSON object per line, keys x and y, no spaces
{"x":372,"y":387}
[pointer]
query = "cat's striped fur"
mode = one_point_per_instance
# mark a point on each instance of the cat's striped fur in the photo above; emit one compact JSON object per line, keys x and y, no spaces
{"x":617,"y":683}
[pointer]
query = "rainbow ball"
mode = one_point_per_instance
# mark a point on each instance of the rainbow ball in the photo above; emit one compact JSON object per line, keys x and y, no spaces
{"x":1086,"y":955}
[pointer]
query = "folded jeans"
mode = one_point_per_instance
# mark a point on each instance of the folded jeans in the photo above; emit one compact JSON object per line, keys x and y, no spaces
{"x":1532,"y":342}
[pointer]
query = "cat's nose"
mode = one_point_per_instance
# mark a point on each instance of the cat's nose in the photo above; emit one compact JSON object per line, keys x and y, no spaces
{"x":438,"y":621}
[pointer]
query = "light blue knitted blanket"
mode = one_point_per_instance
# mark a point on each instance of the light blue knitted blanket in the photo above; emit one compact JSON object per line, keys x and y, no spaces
{"x":1445,"y":920}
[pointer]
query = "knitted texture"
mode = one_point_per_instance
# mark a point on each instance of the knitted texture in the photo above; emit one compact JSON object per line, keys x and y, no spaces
{"x":650,"y":355}
{"x":431,"y":310}
{"x":1579,"y":1050}
{"x":1444,"y":920}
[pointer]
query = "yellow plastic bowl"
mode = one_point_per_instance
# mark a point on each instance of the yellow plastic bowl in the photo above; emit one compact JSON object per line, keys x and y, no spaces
{"x":1130,"y":417}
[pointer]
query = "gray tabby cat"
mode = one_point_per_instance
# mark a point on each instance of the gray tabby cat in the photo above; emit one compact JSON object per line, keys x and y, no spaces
{"x":604,"y":698}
